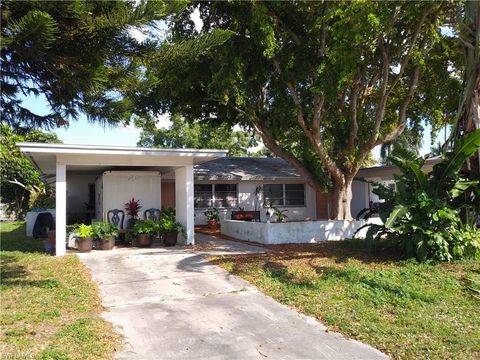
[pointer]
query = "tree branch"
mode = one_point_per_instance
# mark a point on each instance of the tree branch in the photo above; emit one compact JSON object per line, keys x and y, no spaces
{"x":402,"y":113}
{"x":270,"y":142}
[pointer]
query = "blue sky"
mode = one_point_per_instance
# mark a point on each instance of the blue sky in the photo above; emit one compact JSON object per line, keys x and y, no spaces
{"x":83,"y":132}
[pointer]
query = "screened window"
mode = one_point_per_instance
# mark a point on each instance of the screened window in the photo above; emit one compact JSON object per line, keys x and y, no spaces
{"x":284,"y":194}
{"x":294,"y":194}
{"x":215,"y":195}
{"x":225,"y":195}
{"x":202,"y":194}
{"x":273,"y":194}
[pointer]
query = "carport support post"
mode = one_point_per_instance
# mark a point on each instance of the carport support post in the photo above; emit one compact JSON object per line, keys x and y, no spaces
{"x":184,"y":200}
{"x":60,"y":209}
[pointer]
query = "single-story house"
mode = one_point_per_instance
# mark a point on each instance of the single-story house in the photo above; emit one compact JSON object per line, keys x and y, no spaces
{"x":91,"y":180}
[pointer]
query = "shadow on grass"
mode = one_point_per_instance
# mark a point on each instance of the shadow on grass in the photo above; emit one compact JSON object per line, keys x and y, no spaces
{"x":13,"y":238}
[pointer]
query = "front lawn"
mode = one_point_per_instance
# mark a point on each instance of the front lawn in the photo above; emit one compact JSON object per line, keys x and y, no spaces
{"x":405,"y":309}
{"x":49,"y":306}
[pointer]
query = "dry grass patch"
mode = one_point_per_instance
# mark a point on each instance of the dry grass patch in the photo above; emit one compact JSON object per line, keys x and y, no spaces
{"x":49,"y":307}
{"x":406,"y":309}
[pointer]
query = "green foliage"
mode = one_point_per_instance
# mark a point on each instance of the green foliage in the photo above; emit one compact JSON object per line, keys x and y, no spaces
{"x":80,"y":55}
{"x":21,"y":184}
{"x":212,"y":214}
{"x":104,"y":230}
{"x":169,"y":223}
{"x":279,"y":214}
{"x":432,"y":216}
{"x":195,"y":135}
{"x":148,"y":227}
{"x":85,"y":231}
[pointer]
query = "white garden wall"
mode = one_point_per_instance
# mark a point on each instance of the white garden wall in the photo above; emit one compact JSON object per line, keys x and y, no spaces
{"x":293,"y":232}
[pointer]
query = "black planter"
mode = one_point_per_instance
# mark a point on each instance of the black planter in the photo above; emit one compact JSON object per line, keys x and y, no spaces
{"x":170,"y":239}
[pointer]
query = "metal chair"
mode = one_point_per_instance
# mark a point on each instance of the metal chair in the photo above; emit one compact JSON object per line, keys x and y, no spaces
{"x":152,"y":214}
{"x":116,"y":217}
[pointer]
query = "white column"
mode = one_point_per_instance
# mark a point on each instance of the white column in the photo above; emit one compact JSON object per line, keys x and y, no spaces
{"x":60,"y":209}
{"x":184,"y":200}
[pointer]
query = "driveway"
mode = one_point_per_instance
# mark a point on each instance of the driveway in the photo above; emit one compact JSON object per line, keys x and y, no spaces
{"x":173,"y":304}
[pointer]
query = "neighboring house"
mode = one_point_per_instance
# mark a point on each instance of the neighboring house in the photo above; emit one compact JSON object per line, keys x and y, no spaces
{"x":91,"y":180}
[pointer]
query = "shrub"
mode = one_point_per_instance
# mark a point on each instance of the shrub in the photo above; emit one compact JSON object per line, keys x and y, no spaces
{"x":104,"y":230}
{"x":85,"y":231}
{"x":148,"y":227}
{"x":430,"y":215}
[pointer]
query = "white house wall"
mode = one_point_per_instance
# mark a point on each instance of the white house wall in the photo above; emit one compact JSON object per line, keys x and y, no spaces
{"x":120,"y":186}
{"x":249,"y":202}
{"x":360,"y":198}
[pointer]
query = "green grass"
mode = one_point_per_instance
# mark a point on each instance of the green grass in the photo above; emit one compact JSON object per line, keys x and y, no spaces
{"x":405,"y":309}
{"x":49,"y":306}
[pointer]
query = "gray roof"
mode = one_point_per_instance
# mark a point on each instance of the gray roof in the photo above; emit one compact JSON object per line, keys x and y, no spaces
{"x":256,"y":168}
{"x":245,"y":168}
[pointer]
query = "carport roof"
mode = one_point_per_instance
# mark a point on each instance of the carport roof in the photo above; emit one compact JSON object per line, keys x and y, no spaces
{"x":45,"y":156}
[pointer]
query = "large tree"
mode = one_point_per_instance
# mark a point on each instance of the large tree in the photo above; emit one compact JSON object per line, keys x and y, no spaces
{"x":323,"y":83}
{"x":196,"y":135}
{"x":80,"y":55}
{"x":20,"y":182}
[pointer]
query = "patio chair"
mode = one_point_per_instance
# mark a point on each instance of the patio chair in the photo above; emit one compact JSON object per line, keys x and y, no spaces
{"x":116,"y":217}
{"x":152,"y":214}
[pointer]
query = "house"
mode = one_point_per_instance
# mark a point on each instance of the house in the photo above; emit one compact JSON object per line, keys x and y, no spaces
{"x":91,"y":180}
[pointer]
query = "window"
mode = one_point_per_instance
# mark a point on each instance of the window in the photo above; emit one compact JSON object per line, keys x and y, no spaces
{"x":215,"y":195}
{"x":225,"y":195}
{"x":202,"y":194}
{"x":273,"y":194}
{"x":294,"y":194}
{"x":284,"y":194}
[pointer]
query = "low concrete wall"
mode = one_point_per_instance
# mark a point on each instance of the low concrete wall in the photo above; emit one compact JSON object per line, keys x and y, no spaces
{"x":294,"y":232}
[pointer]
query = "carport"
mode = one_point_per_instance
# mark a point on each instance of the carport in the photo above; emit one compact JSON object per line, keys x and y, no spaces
{"x":55,"y":161}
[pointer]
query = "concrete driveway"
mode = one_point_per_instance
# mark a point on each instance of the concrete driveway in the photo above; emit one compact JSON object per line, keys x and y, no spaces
{"x":173,"y":304}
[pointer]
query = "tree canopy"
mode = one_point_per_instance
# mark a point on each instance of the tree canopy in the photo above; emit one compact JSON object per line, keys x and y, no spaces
{"x":195,"y":135}
{"x":323,"y":83}
{"x":80,"y":55}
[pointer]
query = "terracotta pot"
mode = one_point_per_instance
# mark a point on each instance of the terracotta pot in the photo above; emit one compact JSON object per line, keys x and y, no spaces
{"x":143,"y":240}
{"x":107,"y":244}
{"x":170,"y":239}
{"x":212,"y":224}
{"x":84,"y":244}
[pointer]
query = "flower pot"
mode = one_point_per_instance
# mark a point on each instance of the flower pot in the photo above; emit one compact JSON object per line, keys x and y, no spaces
{"x":106,"y":244}
{"x":84,"y":244}
{"x":156,"y":239}
{"x":143,"y":240}
{"x":212,"y":224}
{"x":170,"y":239}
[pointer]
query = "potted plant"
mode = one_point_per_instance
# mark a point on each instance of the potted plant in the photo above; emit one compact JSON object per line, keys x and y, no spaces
{"x":170,"y":228}
{"x":106,"y":233}
{"x":279,"y":214}
{"x":143,"y":229}
{"x":212,"y":217}
{"x":84,"y":240}
{"x":132,"y":208}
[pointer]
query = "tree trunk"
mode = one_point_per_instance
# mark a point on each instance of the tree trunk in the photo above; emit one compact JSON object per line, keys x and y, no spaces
{"x":342,"y":199}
